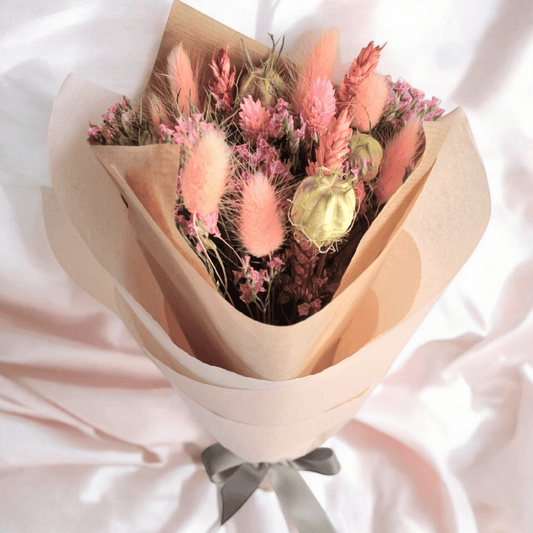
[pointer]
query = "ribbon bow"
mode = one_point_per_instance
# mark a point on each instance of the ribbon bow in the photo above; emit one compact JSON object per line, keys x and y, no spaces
{"x":238,"y":480}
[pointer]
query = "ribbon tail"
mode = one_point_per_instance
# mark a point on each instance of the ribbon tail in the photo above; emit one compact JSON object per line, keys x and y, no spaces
{"x":298,"y":500}
{"x":235,"y":492}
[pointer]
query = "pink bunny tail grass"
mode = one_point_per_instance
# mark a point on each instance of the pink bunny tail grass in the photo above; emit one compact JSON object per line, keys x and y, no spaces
{"x":361,"y":68}
{"x":157,"y":114}
{"x":183,"y":81}
{"x":206,"y":173}
{"x":319,"y":64}
{"x":333,"y":147}
{"x":260,"y":226}
{"x":397,"y":156}
{"x":368,"y":104}
{"x":319,"y":106}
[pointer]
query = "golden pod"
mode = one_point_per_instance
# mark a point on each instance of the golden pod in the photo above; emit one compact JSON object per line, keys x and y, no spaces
{"x":323,"y":208}
{"x":366,"y":154}
{"x":262,"y":84}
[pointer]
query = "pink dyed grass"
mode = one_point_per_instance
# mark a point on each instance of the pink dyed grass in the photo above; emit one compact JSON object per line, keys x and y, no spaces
{"x":260,"y":225}
{"x":206,"y":173}
{"x":397,"y":156}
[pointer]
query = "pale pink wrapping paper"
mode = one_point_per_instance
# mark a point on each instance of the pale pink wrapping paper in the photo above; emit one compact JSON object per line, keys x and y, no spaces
{"x":91,"y":437}
{"x":357,"y":336}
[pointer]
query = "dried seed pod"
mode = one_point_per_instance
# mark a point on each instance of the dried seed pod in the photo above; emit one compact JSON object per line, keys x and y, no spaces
{"x":366,"y":154}
{"x":263,"y":84}
{"x":324,"y":208}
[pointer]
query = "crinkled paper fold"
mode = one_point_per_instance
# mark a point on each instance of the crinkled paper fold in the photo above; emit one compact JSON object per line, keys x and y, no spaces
{"x":265,"y":392}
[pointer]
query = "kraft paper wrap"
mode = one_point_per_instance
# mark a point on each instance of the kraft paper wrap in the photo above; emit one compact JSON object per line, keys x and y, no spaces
{"x":267,"y":393}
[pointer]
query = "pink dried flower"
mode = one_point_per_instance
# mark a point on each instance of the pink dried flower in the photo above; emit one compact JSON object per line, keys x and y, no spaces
{"x":93,"y":131}
{"x":246,"y":293}
{"x":361,"y":68}
{"x":303,"y":309}
{"x":397,"y":156}
{"x":188,"y":132}
{"x":319,"y":64}
{"x":260,"y":224}
{"x":333,"y":148}
{"x":222,"y":87}
{"x":128,"y":118}
{"x":109,"y":118}
{"x":316,"y":304}
{"x":183,"y":81}
{"x":318,"y":107}
{"x":205,"y":174}
{"x":274,"y":263}
{"x":157,"y":114}
{"x":369,"y":102}
{"x":210,"y":222}
{"x":253,"y":118}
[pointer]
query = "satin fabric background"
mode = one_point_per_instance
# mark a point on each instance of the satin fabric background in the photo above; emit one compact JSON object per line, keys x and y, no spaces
{"x":94,"y":440}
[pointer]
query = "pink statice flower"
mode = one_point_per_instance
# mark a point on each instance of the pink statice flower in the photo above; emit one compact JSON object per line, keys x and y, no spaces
{"x":246,"y":293}
{"x":188,"y":132}
{"x":253,"y":280}
{"x":242,"y":151}
{"x":278,"y":116}
{"x":266,"y":158}
{"x":407,"y":102}
{"x":93,"y":130}
{"x":165,"y":134}
{"x":303,"y":309}
{"x":109,"y":118}
{"x":200,"y":225}
{"x":275,"y":263}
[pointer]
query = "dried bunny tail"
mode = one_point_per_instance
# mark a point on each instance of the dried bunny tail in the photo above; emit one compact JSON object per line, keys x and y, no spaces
{"x":155,"y":111}
{"x":183,"y":81}
{"x":260,"y":223}
{"x":368,"y":104}
{"x":206,"y":173}
{"x":398,"y":155}
{"x":319,"y":63}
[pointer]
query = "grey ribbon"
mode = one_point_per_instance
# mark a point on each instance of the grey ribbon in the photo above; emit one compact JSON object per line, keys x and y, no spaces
{"x":238,"y":480}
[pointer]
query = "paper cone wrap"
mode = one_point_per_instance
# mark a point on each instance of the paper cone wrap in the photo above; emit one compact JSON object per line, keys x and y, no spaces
{"x":265,"y":392}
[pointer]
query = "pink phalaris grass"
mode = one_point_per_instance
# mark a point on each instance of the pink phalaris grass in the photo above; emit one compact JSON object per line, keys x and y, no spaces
{"x":319,"y":106}
{"x":361,"y":68}
{"x":253,"y":118}
{"x":224,"y":80}
{"x":206,"y":173}
{"x":398,"y":155}
{"x":260,"y":223}
{"x":183,"y":81}
{"x":333,"y":147}
{"x":368,"y":104}
{"x":157,"y":114}
{"x":319,"y":64}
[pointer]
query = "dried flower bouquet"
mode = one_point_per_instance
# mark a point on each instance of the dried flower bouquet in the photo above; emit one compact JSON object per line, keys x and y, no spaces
{"x":266,"y":392}
{"x":281,"y":173}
